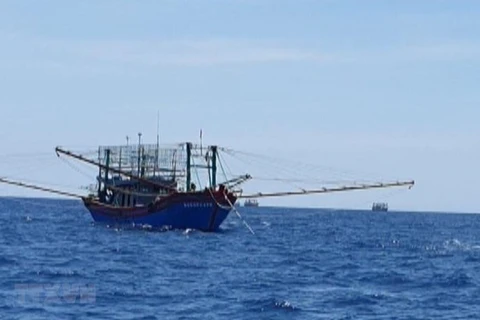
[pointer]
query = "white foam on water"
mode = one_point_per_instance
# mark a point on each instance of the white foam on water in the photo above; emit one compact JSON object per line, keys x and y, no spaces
{"x":455,"y":244}
{"x":285,"y":305}
{"x":188,"y":231}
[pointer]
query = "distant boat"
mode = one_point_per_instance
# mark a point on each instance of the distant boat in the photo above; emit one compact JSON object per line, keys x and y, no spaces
{"x":250,"y":203}
{"x":380,"y":206}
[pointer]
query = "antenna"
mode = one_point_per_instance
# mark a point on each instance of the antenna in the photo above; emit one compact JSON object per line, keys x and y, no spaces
{"x":139,"y":148}
{"x":158,"y":143}
{"x":201,"y":137}
{"x":158,"y":129}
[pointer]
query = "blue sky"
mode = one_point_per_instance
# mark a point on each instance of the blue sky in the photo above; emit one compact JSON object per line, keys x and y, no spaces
{"x":388,"y":88}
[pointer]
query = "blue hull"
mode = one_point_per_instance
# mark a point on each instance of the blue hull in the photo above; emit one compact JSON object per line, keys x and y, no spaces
{"x":175,"y":217}
{"x":181,"y":211}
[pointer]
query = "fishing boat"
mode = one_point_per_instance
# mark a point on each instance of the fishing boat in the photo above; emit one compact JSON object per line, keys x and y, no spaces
{"x":250,"y":203}
{"x":143,"y":188}
{"x":145,"y":185}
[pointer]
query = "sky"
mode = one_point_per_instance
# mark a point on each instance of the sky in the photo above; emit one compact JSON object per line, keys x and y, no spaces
{"x":383,"y":89}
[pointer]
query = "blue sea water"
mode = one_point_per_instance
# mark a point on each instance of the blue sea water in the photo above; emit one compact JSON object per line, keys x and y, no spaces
{"x":301,"y":264}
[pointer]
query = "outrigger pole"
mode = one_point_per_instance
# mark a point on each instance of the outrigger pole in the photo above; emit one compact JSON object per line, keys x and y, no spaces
{"x":237,"y":181}
{"x":34,"y":187}
{"x":59,"y":151}
{"x":410,"y":184}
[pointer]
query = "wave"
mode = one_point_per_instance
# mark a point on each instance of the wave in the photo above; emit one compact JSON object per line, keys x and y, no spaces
{"x":6,"y":261}
{"x":358,"y":298}
{"x":271,"y":304}
{"x":457,"y":245}
{"x":285,"y":305}
{"x":458,"y":279}
{"x":56,"y":273}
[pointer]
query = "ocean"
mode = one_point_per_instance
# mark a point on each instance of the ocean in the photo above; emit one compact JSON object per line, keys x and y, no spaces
{"x":55,"y":263}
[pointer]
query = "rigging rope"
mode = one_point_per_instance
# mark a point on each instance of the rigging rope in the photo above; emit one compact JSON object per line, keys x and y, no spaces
{"x":272,"y":163}
{"x":226,"y":163}
{"x":75,"y":168}
{"x":289,"y":181}
{"x":232,"y":207}
{"x":26,"y":167}
{"x":221,"y":166}
{"x":331,"y":190}
{"x":267,"y":165}
{"x":312,"y":181}
{"x":28,"y":155}
{"x":276,"y":162}
{"x":238,"y":214}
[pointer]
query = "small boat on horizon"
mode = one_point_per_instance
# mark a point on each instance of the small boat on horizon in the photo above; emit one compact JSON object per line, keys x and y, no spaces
{"x":380,"y":206}
{"x":251,"y":203}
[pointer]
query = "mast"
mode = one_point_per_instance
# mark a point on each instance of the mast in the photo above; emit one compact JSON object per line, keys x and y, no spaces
{"x":214,"y":166}
{"x":158,"y":144}
{"x":201,"y":142}
{"x":107,"y":167}
{"x":120,"y":159}
{"x":99,"y":174}
{"x":139,"y":144}
{"x":129,"y":158}
{"x":189,"y":174}
{"x":142,"y":171}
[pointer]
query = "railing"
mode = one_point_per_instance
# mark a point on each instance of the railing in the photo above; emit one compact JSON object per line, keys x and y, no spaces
{"x":148,"y":159}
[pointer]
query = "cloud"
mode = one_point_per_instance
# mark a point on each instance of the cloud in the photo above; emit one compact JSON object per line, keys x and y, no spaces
{"x":92,"y":54}
{"x":195,"y":52}
{"x":448,"y":51}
